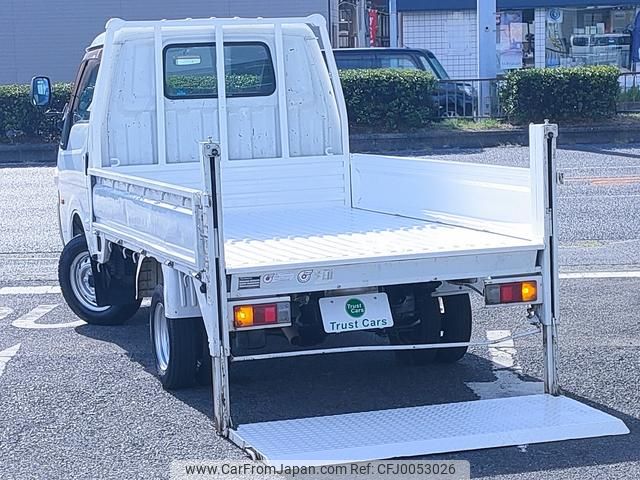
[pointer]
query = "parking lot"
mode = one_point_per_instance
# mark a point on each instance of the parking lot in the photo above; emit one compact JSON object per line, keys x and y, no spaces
{"x":80,"y":401}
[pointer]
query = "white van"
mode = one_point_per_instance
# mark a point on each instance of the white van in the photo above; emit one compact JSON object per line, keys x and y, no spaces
{"x":206,"y":164}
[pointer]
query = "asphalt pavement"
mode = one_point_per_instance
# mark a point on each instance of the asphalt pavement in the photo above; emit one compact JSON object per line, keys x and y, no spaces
{"x":79,"y":401}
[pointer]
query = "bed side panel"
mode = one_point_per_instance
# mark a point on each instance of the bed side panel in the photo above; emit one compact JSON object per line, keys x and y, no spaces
{"x":486,"y":197}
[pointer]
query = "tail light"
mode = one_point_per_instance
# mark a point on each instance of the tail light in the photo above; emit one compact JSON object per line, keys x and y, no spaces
{"x":261,"y":315}
{"x":524,"y":291}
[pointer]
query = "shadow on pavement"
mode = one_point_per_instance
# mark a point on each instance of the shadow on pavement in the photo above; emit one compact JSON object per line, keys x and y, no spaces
{"x":333,"y":384}
{"x":311,"y":386}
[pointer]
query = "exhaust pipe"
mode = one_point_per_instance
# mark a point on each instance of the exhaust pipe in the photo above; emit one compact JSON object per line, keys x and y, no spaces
{"x":293,"y":335}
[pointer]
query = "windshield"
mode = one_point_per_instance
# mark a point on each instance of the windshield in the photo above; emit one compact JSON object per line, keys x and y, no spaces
{"x":431,"y":63}
{"x":400,"y":61}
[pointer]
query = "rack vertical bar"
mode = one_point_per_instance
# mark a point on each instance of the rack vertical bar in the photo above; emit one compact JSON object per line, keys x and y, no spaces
{"x":543,"y":145}
{"x":281,"y":85}
{"x":161,"y":131}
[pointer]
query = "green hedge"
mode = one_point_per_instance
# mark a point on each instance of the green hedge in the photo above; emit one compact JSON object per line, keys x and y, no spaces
{"x":236,"y":84}
{"x":388,"y":99}
{"x":22,"y":122}
{"x":377,"y":100}
{"x":532,"y":95}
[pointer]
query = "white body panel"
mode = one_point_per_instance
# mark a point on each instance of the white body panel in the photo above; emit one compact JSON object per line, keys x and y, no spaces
{"x":72,"y":181}
{"x":484,"y":197}
{"x":313,"y":121}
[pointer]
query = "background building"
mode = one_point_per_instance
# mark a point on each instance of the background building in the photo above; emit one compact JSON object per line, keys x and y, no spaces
{"x":540,"y":33}
{"x":39,"y":37}
{"x":363,"y":23}
{"x":49,"y":38}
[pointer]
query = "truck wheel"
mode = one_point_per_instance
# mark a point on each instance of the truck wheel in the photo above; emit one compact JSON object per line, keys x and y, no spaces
{"x":76,"y":282}
{"x":427,"y":331}
{"x":203,"y":361}
{"x":175,"y":345}
{"x":456,"y":327}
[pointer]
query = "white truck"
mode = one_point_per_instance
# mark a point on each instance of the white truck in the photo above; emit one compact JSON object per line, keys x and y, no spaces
{"x":205,"y":164}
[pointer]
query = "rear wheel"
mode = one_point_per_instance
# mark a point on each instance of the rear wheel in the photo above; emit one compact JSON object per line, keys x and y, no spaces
{"x":176,"y":345}
{"x":456,"y":327}
{"x":76,"y":282}
{"x":426,"y":330}
{"x":203,"y":362}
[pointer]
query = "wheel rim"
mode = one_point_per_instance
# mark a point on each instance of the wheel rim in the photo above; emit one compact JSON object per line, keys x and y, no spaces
{"x":82,"y":282}
{"x":161,"y":337}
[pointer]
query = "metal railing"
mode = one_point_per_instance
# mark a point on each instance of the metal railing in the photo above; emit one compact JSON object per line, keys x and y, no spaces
{"x":629,"y":96}
{"x":469,"y":98}
{"x":477,"y":98}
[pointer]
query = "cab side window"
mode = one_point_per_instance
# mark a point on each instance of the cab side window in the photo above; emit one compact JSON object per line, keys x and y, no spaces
{"x":79,"y":107}
{"x":84,"y":93}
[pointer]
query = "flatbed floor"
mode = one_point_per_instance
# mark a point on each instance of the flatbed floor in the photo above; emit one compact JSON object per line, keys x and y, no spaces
{"x":289,"y":238}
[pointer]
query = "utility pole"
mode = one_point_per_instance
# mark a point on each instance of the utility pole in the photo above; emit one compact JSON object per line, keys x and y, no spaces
{"x":334,"y":22}
{"x":487,"y":56}
{"x":363,"y":23}
{"x":393,"y":23}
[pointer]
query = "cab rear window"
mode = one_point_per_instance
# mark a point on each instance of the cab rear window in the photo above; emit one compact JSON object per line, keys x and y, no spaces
{"x":190,"y":70}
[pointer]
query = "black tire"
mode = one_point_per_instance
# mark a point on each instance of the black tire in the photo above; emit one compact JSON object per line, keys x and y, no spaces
{"x":204,"y":368}
{"x":456,"y":327}
{"x":175,"y":345}
{"x":72,"y":267}
{"x":427,"y":331}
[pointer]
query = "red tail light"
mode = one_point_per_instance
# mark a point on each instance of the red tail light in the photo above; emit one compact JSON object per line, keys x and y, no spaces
{"x":512,"y":292}
{"x":261,"y":314}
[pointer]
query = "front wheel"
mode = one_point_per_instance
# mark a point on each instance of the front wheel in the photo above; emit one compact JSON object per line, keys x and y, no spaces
{"x":76,"y":282}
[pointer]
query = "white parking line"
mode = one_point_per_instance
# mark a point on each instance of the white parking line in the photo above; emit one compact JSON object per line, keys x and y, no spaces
{"x":30,"y":290}
{"x":502,"y":353}
{"x":5,"y":312}
{"x":628,"y":274}
{"x":6,"y":355}
{"x":55,"y":289}
{"x":505,"y":367}
{"x":29,"y":320}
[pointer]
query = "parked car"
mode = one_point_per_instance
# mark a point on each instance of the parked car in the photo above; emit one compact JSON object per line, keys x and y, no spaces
{"x":454,"y":98}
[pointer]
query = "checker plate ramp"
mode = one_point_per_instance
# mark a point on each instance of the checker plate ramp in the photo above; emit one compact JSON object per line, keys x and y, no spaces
{"x":425,"y":430}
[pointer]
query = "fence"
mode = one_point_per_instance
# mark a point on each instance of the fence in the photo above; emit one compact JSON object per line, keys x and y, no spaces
{"x":629,"y":98}
{"x":469,"y":98}
{"x":477,"y":98}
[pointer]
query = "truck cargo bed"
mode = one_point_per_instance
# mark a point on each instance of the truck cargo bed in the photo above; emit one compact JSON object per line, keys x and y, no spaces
{"x":272,"y":239}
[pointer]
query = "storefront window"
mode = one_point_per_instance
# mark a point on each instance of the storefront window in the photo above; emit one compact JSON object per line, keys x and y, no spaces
{"x":515,"y":40}
{"x":589,"y":36}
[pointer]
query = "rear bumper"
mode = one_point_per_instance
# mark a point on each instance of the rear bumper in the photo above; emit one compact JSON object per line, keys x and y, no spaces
{"x":318,"y":277}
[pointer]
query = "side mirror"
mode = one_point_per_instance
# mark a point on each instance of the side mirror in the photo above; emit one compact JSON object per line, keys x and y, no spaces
{"x":40,"y":91}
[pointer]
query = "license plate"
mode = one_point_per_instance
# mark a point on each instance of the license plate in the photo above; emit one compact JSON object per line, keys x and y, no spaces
{"x":355,"y":312}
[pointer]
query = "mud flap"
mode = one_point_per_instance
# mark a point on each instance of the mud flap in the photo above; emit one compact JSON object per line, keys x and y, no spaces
{"x":114,"y":281}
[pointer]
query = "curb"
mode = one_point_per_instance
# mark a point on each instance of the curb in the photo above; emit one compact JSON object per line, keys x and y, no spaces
{"x":27,"y":153}
{"x":439,"y":139}
{"x":45,"y":154}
